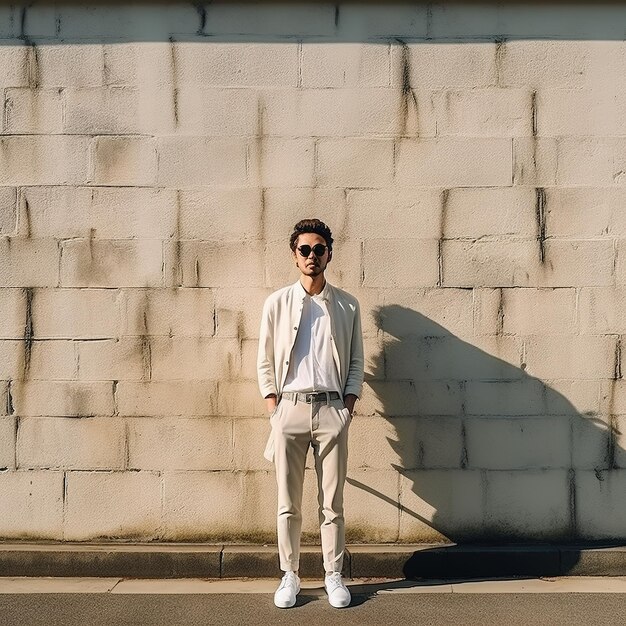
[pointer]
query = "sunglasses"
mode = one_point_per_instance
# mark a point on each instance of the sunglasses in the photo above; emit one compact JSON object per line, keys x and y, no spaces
{"x":318,"y":249}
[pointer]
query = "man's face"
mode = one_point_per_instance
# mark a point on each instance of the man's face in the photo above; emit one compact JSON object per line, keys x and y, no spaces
{"x":311,"y":265}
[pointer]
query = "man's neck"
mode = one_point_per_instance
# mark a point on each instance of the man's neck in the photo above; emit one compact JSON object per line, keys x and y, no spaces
{"x":313,"y":285}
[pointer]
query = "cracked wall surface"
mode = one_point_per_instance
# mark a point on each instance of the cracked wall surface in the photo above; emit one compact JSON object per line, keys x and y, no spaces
{"x":470,"y":160}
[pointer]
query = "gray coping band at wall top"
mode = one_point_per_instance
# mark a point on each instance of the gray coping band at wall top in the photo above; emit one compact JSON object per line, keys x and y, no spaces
{"x":201,"y":560}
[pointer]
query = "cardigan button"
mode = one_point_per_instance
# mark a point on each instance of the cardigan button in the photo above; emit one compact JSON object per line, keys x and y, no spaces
{"x":295,"y":328}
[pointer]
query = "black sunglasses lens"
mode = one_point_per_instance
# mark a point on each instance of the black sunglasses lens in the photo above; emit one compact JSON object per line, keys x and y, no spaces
{"x":318,"y":249}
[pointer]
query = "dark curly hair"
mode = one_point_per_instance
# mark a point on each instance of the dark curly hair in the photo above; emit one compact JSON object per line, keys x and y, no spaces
{"x":311,"y":226}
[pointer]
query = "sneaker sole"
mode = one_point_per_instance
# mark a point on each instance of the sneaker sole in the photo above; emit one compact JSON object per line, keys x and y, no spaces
{"x":338,"y":606}
{"x":284,"y":606}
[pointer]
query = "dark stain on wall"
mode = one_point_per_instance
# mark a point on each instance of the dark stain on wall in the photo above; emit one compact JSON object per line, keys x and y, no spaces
{"x":28,"y":330}
{"x":445,"y":195}
{"x":464,"y":455}
{"x":92,"y":233}
{"x":79,"y":402}
{"x":540,"y":212}
{"x":499,"y":57}
{"x":26,"y":215}
{"x":201,"y":11}
{"x":196,"y":272}
{"x":142,"y":324}
{"x":571,"y":476}
{"x":7,"y":111}
{"x":440,"y":263}
{"x":175,"y":106}
{"x":262,"y":216}
{"x":230,"y":367}
{"x":500,"y":317}
{"x":146,"y":355}
{"x":23,"y":15}
{"x":613,"y":425}
{"x":64,"y":495}
{"x":533,"y":113}
{"x":32,"y":59}
{"x":429,"y":20}
{"x":420,"y":454}
{"x":126,"y":445}
{"x":260,"y":140}
{"x":33,"y":67}
{"x":241,"y":328}
{"x":408,"y":95}
{"x":174,"y":80}
{"x":260,"y":117}
{"x":115,"y":407}
{"x":362,"y":260}
{"x":16,"y":428}
{"x":10,"y":407}
{"x":178,"y":268}
{"x":106,"y":70}
{"x":86,"y":268}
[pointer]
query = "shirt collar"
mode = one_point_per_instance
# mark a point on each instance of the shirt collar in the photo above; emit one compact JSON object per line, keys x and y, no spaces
{"x":324,"y":294}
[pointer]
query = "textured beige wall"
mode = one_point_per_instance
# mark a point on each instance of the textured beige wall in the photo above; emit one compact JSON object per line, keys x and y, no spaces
{"x":471,"y":160}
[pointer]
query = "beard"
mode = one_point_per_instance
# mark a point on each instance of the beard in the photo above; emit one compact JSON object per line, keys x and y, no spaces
{"x":315,"y":269}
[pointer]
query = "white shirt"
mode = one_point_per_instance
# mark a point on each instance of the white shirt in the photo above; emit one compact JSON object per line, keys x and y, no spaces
{"x":282,"y":313}
{"x":312,"y":366}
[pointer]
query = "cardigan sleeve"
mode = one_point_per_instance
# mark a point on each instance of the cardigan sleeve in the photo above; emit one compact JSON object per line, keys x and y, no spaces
{"x":265,"y":355}
{"x":354,"y":382}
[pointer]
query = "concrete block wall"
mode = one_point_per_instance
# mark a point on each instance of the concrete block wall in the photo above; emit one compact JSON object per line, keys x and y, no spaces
{"x":471,"y":161}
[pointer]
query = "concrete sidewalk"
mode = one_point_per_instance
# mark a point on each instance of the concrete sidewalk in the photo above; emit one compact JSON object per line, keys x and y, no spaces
{"x":193,"y":602}
{"x":389,"y":561}
{"x":311,"y":588}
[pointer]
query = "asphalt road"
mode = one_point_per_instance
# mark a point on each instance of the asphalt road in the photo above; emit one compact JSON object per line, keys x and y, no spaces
{"x":502,"y":609}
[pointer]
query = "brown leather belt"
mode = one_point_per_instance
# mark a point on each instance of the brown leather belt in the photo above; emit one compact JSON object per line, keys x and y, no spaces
{"x":320,"y":396}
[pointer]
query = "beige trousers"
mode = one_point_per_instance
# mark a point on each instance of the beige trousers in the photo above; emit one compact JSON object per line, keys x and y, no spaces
{"x":324,"y":426}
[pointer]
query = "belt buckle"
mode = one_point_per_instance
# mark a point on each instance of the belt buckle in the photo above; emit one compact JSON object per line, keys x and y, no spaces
{"x":309,"y":398}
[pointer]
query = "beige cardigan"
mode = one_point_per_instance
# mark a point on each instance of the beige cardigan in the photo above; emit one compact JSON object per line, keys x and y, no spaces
{"x":279,"y":326}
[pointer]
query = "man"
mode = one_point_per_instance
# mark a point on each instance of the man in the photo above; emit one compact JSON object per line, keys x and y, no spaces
{"x":310,"y":368}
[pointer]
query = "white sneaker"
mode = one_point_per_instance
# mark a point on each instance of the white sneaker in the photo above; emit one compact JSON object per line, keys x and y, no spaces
{"x":338,"y":593}
{"x":289,"y":587}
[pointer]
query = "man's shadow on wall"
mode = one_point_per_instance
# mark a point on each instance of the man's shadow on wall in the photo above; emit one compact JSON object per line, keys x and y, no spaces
{"x":487,"y":454}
